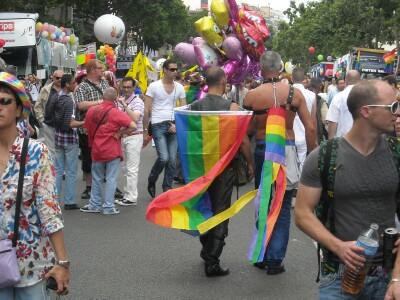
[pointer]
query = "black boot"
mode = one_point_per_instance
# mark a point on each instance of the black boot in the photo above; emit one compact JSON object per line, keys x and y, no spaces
{"x":214,"y":270}
{"x":151,"y":188}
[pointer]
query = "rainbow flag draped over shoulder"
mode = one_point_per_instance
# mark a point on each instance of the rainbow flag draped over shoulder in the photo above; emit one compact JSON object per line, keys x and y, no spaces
{"x":273,"y":183}
{"x":207,"y":143}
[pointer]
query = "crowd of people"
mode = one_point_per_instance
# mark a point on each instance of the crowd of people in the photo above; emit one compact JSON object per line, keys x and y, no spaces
{"x":105,"y":124}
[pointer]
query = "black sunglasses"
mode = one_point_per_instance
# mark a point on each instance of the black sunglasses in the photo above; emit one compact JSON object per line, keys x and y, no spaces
{"x":6,"y":101}
{"x":173,"y":69}
{"x":57,"y":78}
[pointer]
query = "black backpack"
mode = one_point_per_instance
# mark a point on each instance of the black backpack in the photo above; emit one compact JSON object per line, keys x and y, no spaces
{"x":49,"y":109}
{"x":59,"y":113}
{"x":327,"y":167}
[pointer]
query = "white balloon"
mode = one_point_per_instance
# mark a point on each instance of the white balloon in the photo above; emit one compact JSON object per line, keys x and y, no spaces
{"x":109,"y":29}
{"x":159,"y":63}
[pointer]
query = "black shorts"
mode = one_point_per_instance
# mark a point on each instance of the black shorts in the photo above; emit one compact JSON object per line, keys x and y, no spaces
{"x":85,"y":153}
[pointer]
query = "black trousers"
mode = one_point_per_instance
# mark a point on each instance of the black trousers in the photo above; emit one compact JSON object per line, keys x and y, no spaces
{"x":220,"y":192}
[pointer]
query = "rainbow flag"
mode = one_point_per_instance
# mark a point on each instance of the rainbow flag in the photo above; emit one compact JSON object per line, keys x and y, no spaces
{"x":390,"y":57}
{"x":273,"y":183}
{"x":207,"y":143}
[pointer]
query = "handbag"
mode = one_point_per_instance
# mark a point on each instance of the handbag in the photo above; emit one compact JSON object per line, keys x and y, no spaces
{"x":10,"y":274}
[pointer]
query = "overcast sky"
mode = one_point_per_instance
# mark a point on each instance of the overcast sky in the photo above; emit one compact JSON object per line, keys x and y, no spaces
{"x":277,"y":4}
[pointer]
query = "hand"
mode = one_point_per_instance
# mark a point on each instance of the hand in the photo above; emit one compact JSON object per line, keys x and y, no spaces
{"x":146,"y":139}
{"x":393,"y":291}
{"x":250,"y":172}
{"x":117,"y":135}
{"x":61,"y":275}
{"x":172,"y":128}
{"x":351,"y":255}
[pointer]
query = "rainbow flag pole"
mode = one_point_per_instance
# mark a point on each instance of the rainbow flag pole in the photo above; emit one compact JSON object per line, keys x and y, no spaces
{"x":207,"y":141}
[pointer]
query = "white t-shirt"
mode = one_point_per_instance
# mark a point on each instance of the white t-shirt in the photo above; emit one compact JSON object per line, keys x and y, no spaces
{"x":339,"y":112}
{"x":298,"y":127}
{"x":163,"y":103}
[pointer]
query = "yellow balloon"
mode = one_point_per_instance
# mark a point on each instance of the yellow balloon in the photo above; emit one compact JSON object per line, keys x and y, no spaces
{"x":289,"y":67}
{"x":220,"y":13}
{"x":209,"y":30}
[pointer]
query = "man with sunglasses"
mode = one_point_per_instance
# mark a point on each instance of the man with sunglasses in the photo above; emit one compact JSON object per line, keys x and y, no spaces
{"x":365,"y":188}
{"x":160,"y":100}
{"x":44,"y":110}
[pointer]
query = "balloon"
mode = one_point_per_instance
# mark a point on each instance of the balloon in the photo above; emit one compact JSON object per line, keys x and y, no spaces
{"x":66,"y":39}
{"x":186,"y":52}
{"x":80,"y":59}
{"x":289,"y":67}
{"x":236,"y":71}
{"x":2,"y":43}
{"x":209,"y":31}
{"x":109,"y":29}
{"x":45,"y":27}
{"x":233,"y":9}
{"x":39,"y":26}
{"x":159,"y":63}
{"x":220,"y":13}
{"x":44,"y":34}
{"x":252,"y":32}
{"x":203,"y":92}
{"x":232,"y":47}
{"x":53,"y":36}
{"x":52,"y":28}
{"x":320,"y":57}
{"x":206,"y":56}
{"x":311,"y":50}
{"x":72,"y":39}
{"x":329,"y":58}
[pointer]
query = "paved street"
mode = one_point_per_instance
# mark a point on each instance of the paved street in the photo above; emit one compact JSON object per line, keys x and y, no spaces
{"x":125,"y":257}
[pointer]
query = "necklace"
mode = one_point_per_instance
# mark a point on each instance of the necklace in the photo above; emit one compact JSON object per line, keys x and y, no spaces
{"x":271,"y":80}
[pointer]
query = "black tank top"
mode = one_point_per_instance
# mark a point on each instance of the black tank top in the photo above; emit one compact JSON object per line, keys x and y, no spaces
{"x":211,"y":103}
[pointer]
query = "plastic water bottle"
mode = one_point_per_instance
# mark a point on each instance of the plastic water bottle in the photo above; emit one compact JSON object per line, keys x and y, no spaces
{"x":353,"y":281}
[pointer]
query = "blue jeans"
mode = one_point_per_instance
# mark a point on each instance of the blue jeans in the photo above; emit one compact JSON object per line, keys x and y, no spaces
{"x":276,"y":249}
{"x":111,"y":170}
{"x":34,"y":292}
{"x":66,"y":160}
{"x":330,"y":287}
{"x":166,"y":146}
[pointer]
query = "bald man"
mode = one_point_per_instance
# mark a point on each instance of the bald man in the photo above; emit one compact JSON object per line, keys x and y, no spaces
{"x":103,"y":123}
{"x":338,"y":117}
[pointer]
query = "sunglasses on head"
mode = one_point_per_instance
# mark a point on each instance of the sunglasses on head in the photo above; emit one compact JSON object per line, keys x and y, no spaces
{"x":393,"y":108}
{"x":6,"y":101}
{"x":173,"y":69}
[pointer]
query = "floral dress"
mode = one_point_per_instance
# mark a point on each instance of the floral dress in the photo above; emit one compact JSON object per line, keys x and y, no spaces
{"x":40,"y":212}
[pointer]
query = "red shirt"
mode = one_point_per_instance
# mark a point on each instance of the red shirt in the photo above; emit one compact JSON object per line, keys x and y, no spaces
{"x":105,"y":147}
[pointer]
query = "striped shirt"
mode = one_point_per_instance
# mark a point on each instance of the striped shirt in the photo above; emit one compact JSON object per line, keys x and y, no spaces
{"x":135,"y":103}
{"x":64,"y":136}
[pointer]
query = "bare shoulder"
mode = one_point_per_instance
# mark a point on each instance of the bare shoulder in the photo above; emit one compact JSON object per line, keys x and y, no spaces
{"x":298,"y":98}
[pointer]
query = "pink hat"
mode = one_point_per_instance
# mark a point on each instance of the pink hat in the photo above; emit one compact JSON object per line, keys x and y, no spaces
{"x":18,"y":88}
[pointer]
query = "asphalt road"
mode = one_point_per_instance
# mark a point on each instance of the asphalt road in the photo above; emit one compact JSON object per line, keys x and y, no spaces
{"x":125,"y":257}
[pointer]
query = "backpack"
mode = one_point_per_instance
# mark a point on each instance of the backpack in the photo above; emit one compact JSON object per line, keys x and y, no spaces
{"x":327,"y":166}
{"x":59,"y":114}
{"x":49,"y":109}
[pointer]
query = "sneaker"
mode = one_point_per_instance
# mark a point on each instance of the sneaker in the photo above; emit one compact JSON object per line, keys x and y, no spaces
{"x":125,"y":202}
{"x":112,"y":211}
{"x":86,"y":193}
{"x":71,"y":206}
{"x":118,"y":194}
{"x":118,"y":201}
{"x":87,"y":209}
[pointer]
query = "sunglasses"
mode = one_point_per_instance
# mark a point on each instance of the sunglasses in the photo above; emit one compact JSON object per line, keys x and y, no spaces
{"x":57,"y":78}
{"x":6,"y":101}
{"x":127,"y":87}
{"x":173,"y":69}
{"x":393,"y":108}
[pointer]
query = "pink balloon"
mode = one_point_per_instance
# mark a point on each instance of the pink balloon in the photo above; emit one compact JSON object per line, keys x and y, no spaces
{"x":236,"y":71}
{"x":232,"y":47}
{"x":206,"y":56}
{"x":186,"y":52}
{"x":52,"y":28}
{"x":203,"y":92}
{"x":45,"y":27}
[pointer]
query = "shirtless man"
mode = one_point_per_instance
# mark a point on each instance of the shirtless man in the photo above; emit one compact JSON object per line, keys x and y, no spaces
{"x":260,"y":100}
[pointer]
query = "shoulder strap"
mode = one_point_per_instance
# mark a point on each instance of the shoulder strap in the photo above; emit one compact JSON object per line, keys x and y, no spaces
{"x":289,"y":99}
{"x":101,"y":120}
{"x":95,"y":86}
{"x":19,"y":191}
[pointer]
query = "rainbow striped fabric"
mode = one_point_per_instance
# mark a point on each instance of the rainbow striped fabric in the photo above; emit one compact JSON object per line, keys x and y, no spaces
{"x":207,"y":143}
{"x":17,"y":86}
{"x":272,"y":185}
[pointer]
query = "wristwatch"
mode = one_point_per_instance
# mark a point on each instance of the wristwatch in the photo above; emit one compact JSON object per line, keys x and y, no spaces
{"x":63,"y":263}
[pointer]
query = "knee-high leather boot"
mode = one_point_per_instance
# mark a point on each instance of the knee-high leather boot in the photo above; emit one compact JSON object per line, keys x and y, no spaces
{"x":212,"y":254}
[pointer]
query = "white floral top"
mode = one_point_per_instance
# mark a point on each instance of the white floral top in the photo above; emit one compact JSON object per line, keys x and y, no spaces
{"x":40,"y":212}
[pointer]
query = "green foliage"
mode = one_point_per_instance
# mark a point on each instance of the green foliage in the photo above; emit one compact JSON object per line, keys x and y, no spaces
{"x":333,"y":27}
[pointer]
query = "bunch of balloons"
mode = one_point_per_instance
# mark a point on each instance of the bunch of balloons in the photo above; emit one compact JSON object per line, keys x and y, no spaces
{"x":106,"y":54}
{"x":56,"y":34}
{"x":232,"y":37}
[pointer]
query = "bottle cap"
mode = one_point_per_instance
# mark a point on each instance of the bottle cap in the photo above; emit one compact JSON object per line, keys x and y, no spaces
{"x":374,"y":226}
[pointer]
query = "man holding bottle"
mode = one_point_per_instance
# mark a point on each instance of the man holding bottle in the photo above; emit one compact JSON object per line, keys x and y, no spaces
{"x":365,"y":187}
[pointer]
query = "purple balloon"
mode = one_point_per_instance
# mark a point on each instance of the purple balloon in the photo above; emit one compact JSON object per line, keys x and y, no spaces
{"x":233,"y":9}
{"x":186,"y":52}
{"x":232,"y":47}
